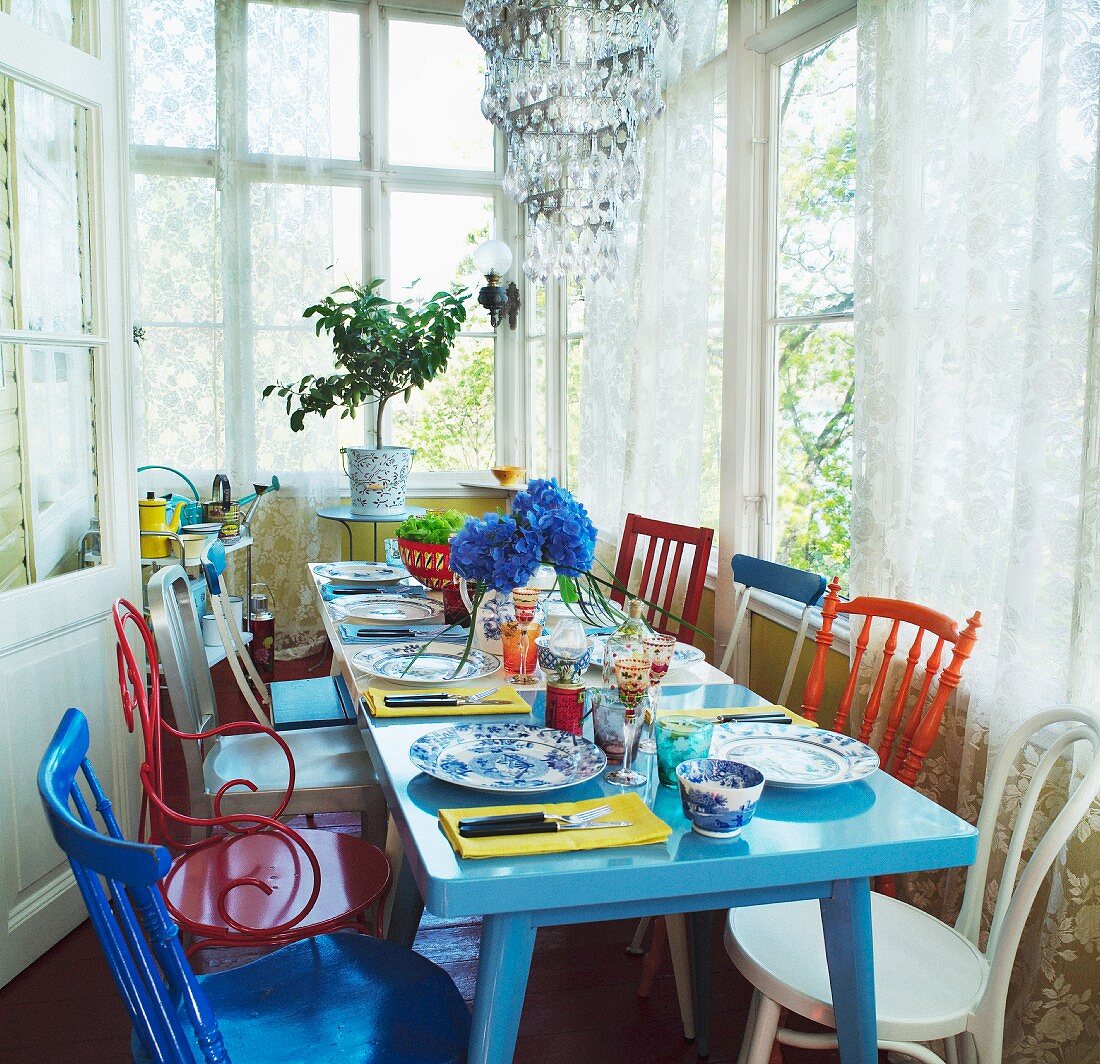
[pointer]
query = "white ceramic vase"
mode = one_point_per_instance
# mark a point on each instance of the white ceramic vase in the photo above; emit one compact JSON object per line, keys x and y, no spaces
{"x":496,"y":608}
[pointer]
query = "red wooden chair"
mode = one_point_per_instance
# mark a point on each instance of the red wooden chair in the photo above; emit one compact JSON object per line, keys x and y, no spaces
{"x":907,"y":735}
{"x":248,"y":879}
{"x":664,"y":559}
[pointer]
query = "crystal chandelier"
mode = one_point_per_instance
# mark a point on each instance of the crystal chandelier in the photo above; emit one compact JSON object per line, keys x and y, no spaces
{"x":569,"y":82}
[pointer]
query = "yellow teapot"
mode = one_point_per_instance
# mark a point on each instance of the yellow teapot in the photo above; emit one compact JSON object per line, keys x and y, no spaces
{"x":153,"y":517}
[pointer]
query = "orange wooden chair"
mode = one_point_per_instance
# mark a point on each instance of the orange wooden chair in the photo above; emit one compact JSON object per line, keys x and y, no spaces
{"x":664,"y":559}
{"x":907,"y":735}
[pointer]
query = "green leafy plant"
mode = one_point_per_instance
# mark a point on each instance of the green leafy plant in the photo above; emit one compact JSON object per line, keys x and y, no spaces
{"x":383,"y":348}
{"x":431,"y":528}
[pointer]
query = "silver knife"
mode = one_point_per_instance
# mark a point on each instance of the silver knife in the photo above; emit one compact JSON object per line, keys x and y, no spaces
{"x":486,"y":831}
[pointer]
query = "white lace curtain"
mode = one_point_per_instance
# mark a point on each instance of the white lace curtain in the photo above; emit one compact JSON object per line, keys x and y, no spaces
{"x":229,"y":253}
{"x":645,"y":357}
{"x":977,"y":473}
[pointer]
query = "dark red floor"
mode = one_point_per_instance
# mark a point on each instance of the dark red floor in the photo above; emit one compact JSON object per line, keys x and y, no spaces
{"x":580,"y":1005}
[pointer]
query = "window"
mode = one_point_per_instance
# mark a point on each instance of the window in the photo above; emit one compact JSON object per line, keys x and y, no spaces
{"x":555,"y":364}
{"x":810,"y":328}
{"x":49,"y":347}
{"x":282,"y":150}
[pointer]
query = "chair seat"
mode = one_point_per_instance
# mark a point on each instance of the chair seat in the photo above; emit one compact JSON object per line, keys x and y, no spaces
{"x":926,"y":974}
{"x":343,"y":997}
{"x":319,"y":702}
{"x":324,"y":759}
{"x":355,"y":874}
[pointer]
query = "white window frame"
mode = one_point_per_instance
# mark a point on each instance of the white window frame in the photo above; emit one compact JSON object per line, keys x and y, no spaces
{"x":376,"y":178}
{"x":759,"y":43}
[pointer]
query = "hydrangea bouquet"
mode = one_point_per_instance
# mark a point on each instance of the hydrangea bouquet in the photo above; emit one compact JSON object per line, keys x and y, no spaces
{"x":547,"y":526}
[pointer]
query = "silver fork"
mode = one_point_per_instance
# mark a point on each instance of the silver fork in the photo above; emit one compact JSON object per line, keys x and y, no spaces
{"x":580,"y":818}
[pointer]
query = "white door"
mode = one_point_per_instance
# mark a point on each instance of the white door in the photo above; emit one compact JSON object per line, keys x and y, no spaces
{"x":67,"y":528}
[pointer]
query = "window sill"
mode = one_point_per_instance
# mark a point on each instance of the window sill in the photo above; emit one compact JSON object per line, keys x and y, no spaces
{"x":452,"y":485}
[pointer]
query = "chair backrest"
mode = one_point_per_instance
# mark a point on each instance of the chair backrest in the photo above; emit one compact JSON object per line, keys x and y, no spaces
{"x":664,"y":559}
{"x":182,"y":654}
{"x":249,"y":681}
{"x":907,"y":736}
{"x":157,"y":984}
{"x":755,"y":574}
{"x":1021,"y":878}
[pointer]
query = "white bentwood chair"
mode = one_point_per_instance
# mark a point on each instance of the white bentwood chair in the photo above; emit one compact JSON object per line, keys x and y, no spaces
{"x":333,"y":772}
{"x":932,"y":982}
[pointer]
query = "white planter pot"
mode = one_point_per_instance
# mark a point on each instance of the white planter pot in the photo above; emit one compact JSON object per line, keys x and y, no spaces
{"x":379,"y":477}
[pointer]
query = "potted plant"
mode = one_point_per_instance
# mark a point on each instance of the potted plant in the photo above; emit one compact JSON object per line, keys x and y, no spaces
{"x":383,"y":348}
{"x":425,"y":545}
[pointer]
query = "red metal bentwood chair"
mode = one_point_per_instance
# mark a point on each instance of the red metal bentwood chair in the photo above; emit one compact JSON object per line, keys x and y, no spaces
{"x":661,"y":571}
{"x":251,"y":880}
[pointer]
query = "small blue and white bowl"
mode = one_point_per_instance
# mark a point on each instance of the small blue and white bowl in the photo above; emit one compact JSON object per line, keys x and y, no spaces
{"x":549,"y":660}
{"x":719,"y":797}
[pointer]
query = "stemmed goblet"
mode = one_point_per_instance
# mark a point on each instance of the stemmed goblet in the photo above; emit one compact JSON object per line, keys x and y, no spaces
{"x":659,"y":649}
{"x":632,"y":680}
{"x":524,"y":600}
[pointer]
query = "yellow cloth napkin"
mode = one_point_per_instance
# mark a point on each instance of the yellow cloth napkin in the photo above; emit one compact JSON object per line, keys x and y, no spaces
{"x":712,"y":714}
{"x":645,"y":828}
{"x":375,"y":700}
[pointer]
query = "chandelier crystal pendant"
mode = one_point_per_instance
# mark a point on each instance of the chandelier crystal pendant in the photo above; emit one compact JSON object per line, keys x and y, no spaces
{"x":569,"y":82}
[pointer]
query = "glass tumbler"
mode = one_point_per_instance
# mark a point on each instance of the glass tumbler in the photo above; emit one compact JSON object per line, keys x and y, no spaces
{"x":680,"y":739}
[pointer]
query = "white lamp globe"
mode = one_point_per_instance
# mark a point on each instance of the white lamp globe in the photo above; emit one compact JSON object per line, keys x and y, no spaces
{"x":494,"y":256}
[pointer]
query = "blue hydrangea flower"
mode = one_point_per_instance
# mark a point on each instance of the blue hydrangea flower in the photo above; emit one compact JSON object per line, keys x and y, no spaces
{"x":562,"y":523}
{"x":496,"y":551}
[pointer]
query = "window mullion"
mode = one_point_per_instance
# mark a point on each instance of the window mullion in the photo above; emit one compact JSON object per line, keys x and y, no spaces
{"x":238,"y":415}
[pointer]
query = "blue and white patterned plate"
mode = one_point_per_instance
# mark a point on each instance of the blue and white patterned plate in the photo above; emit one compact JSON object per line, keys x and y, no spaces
{"x":794,"y":756}
{"x":507,"y":758}
{"x":438,"y":667}
{"x":682,"y":655}
{"x":360,"y":573}
{"x":404,"y":609}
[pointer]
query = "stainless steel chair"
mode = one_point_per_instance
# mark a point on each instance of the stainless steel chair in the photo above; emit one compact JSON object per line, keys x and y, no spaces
{"x":332,"y":768}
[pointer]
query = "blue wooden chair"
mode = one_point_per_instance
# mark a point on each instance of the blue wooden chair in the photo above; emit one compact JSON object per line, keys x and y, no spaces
{"x":754,"y":575}
{"x":340,"y":997}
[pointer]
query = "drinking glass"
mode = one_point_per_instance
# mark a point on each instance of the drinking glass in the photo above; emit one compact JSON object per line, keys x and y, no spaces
{"x":518,"y":638}
{"x":680,"y":739}
{"x":658,"y":651}
{"x":393,"y":554}
{"x":632,"y":681}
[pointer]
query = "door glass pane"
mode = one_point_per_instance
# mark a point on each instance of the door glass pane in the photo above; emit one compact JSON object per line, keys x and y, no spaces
{"x":813,"y":479}
{"x":48,"y":483}
{"x":451,"y":422}
{"x":436,"y":78}
{"x":172,"y":73}
{"x":303,"y":82}
{"x":815,"y":238}
{"x":43,"y":176}
{"x":63,"y":19}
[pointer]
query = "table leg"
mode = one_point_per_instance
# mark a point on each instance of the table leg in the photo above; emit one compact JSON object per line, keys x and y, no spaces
{"x":849,"y":951}
{"x":507,"y":943}
{"x":702,"y":960}
{"x":406,"y":907}
{"x":351,"y":541}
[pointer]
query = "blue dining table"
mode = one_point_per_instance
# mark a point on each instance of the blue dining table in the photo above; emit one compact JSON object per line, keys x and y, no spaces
{"x":826,"y":844}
